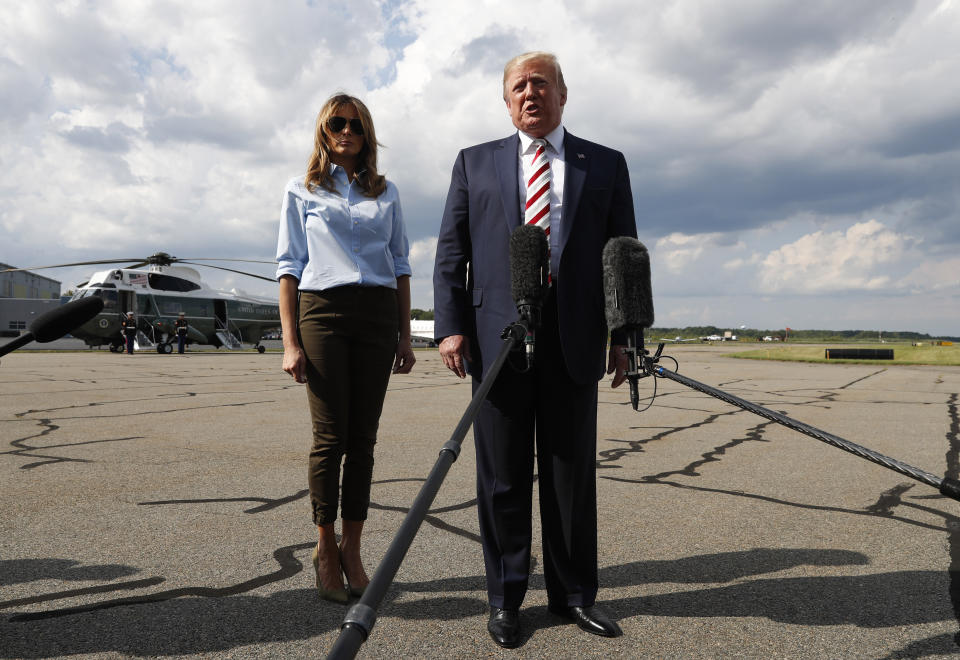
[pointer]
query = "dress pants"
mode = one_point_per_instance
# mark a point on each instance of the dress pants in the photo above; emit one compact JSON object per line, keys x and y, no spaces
{"x":349,"y":336}
{"x":544,"y":413}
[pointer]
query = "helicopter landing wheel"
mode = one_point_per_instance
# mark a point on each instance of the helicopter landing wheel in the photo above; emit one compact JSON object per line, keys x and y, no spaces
{"x":164,"y":348}
{"x":114,"y":348}
{"x":261,"y":349}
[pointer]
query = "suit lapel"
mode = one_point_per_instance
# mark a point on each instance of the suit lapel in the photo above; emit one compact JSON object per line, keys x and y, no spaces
{"x":576,"y":162}
{"x":506,"y":163}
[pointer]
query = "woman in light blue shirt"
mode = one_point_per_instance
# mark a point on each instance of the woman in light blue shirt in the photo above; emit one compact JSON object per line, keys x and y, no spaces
{"x":345,"y":311}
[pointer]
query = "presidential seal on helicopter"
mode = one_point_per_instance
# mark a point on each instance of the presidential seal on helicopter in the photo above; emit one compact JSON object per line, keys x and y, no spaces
{"x":158,"y":289}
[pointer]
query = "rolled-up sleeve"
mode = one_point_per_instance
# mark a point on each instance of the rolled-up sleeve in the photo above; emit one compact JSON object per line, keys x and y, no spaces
{"x":399,"y":245}
{"x":292,"y":240}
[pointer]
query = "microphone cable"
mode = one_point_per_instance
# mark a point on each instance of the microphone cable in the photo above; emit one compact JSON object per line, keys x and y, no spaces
{"x":646,"y":371}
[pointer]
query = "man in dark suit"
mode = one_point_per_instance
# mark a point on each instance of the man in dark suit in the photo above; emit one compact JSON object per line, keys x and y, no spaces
{"x":550,"y":411}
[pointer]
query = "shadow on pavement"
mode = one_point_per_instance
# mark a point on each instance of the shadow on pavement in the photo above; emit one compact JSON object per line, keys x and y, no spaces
{"x":204,"y":619}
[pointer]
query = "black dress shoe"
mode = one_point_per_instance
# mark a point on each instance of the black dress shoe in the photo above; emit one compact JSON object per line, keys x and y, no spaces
{"x":504,"y":627}
{"x":590,"y":619}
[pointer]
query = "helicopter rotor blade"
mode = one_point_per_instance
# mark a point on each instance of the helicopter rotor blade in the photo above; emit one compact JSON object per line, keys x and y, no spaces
{"x":76,"y":263}
{"x":161,"y":258}
{"x":249,"y":261}
{"x":240,"y":272}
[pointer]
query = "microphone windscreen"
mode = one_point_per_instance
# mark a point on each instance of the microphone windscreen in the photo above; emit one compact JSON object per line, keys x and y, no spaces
{"x":626,"y":283}
{"x":529,"y":265}
{"x":58,"y":322}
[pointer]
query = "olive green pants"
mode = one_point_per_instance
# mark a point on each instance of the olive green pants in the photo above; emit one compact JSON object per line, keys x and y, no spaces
{"x":349,"y":336}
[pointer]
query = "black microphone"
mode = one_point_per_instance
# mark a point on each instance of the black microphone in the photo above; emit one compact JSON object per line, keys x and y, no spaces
{"x":57,"y":322}
{"x":629,"y":299}
{"x":529,"y":273}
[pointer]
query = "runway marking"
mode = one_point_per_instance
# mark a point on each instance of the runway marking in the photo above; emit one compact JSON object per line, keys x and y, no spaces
{"x":775,"y":500}
{"x":635,"y":446}
{"x":884,"y":507}
{"x":858,"y":380}
{"x":267,"y":505}
{"x":50,"y":427}
{"x":26,"y":450}
{"x":755,"y":435}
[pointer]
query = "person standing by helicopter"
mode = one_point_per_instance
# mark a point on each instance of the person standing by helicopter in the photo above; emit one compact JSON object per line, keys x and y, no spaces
{"x":129,"y":329}
{"x":181,"y":326}
{"x":344,"y":277}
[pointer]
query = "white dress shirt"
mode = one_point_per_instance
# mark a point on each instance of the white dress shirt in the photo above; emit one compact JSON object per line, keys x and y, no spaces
{"x":555,"y":155}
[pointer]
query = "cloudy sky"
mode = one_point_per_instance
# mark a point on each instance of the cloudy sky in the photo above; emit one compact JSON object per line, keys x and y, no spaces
{"x":793,"y":163}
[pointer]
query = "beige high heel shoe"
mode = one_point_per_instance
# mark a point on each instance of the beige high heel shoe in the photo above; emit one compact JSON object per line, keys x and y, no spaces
{"x":341,"y":596}
{"x":356,"y":592}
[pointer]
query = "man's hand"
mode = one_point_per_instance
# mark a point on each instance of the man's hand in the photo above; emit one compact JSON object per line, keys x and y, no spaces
{"x":617,"y":361}
{"x":455,"y":351}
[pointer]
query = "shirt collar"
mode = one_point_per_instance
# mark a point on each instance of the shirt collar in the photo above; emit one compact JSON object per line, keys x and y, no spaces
{"x":554,"y":140}
{"x":339,"y":173}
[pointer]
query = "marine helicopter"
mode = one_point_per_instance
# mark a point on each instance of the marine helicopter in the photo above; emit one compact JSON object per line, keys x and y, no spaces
{"x":158,"y":294}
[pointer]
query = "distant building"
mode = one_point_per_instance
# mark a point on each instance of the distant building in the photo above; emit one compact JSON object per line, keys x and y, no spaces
{"x":24,"y":284}
{"x":23,"y":297}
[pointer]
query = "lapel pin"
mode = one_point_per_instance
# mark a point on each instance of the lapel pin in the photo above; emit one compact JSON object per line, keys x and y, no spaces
{"x":580,"y":156}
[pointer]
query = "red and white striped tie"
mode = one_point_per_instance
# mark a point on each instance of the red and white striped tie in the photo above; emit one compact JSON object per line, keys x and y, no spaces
{"x":537,"y":211}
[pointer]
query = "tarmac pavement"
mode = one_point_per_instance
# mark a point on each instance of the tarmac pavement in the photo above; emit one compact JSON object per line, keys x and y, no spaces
{"x":156,"y":505}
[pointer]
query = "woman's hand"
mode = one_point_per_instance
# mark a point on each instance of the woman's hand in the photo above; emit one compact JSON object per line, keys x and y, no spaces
{"x":295,"y":363}
{"x":405,"y":358}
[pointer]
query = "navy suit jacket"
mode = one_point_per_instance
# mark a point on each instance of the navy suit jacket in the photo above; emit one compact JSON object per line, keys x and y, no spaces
{"x":471,"y":277}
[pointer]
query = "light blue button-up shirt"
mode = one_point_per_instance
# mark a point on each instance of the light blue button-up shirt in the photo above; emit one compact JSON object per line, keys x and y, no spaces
{"x":328,"y":239}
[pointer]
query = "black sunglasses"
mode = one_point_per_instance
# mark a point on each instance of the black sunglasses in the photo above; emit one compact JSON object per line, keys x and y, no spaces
{"x":337,"y":124}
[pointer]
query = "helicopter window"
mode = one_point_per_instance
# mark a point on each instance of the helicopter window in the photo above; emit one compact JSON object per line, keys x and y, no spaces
{"x":171,"y":307}
{"x":170,"y":283}
{"x":109,"y":298}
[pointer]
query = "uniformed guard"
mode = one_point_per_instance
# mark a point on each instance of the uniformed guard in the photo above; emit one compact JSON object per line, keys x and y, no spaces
{"x":129,"y":328}
{"x":181,"y":324}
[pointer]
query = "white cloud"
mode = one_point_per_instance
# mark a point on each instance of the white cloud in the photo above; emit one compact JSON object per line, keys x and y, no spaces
{"x":935,"y":276}
{"x":740,"y":263}
{"x":679,"y":252}
{"x":422,"y":254}
{"x":859,"y":258}
{"x":130,"y":128}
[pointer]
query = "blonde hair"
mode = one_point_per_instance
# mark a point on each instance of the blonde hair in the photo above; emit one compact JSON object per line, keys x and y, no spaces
{"x":318,"y":168}
{"x":537,"y":55}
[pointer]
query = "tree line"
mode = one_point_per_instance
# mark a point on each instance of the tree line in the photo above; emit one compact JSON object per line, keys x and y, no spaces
{"x":754,"y":334}
{"x":816,"y":336}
